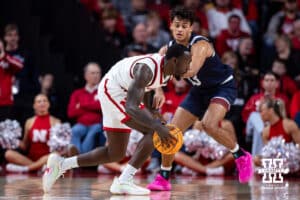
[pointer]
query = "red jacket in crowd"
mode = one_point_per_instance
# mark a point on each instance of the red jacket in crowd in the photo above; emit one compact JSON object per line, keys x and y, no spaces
{"x":84,"y":107}
{"x":295,"y":105}
{"x":287,"y":86}
{"x":295,"y":43}
{"x":250,"y":11}
{"x":172,"y":102}
{"x":254,"y":101}
{"x":228,"y":42}
{"x":8,"y":67}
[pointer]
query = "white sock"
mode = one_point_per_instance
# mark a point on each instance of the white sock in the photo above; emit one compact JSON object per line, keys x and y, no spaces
{"x":215,"y":170}
{"x":127,"y":174}
{"x":16,"y":168}
{"x":165,"y":168}
{"x":235,"y":149}
{"x":69,"y":163}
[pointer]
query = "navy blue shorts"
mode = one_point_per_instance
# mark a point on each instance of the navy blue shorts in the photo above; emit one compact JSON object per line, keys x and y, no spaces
{"x":198,"y":99}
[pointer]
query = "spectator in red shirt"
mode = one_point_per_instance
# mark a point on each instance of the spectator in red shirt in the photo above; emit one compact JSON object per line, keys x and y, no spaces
{"x":109,"y":20}
{"x":97,"y":7}
{"x":287,"y":84}
{"x":8,"y":67}
{"x":84,"y":107}
{"x":229,"y":38}
{"x":296,"y":36}
{"x":200,"y":16}
{"x":218,"y":17}
{"x":176,"y":93}
{"x":282,"y":21}
{"x":163,"y":8}
{"x":250,"y":114}
{"x":250,"y":11}
{"x":295,"y":107}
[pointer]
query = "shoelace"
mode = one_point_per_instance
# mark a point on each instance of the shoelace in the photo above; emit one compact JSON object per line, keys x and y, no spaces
{"x":61,"y":171}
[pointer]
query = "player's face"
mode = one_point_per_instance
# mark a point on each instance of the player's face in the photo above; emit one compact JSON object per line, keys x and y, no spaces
{"x":182,"y":64}
{"x":181,"y":29}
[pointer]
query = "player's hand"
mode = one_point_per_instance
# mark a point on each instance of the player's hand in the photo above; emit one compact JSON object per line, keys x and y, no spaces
{"x":166,"y":138}
{"x":157,"y":115}
{"x":163,"y":50}
{"x":158,"y":98}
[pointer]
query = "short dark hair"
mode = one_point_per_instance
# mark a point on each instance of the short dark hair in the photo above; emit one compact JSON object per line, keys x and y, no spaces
{"x":234,"y":16}
{"x":272,"y":74}
{"x":11,"y":27}
{"x":182,"y":13}
{"x":176,"y":50}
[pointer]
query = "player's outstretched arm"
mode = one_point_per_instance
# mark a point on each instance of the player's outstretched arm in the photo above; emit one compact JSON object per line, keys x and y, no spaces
{"x":200,"y":51}
{"x":135,"y":95}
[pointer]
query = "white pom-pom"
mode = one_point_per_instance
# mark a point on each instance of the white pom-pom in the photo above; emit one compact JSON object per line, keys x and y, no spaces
{"x":289,"y":152}
{"x":60,"y":137}
{"x":10,"y":132}
{"x":195,"y":140}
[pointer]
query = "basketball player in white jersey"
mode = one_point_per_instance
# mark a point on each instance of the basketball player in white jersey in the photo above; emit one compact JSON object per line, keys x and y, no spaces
{"x":121,"y":93}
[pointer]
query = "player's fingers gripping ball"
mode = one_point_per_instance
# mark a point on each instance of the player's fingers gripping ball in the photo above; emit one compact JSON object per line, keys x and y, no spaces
{"x":171,"y":149}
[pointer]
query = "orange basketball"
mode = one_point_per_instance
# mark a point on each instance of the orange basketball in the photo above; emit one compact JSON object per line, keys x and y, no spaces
{"x":177,"y":133}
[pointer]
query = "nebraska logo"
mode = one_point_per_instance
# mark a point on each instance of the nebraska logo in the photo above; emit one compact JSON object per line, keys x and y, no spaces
{"x":39,"y":135}
{"x":272,"y":170}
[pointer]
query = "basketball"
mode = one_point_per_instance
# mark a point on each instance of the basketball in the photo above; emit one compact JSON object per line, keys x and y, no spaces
{"x":177,"y":133}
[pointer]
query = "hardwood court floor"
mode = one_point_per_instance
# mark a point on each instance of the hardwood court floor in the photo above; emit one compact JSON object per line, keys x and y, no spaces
{"x":19,"y":187}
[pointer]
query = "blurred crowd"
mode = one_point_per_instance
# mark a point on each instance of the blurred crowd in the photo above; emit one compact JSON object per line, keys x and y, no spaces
{"x":259,"y":39}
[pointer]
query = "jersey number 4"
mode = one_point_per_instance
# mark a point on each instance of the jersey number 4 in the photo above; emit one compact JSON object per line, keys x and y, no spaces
{"x":195,"y":81}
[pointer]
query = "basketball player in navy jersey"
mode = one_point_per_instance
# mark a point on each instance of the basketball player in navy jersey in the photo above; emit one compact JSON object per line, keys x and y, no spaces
{"x":213,"y":91}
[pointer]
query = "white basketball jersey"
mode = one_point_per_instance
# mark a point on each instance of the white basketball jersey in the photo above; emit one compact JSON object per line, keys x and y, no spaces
{"x":122,"y":72}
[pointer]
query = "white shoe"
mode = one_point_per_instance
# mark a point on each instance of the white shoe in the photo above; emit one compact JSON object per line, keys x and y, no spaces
{"x":16,"y":168}
{"x":53,"y":171}
{"x":127,"y":188}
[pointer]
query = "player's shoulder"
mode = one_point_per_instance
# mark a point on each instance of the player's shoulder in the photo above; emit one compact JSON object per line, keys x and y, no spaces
{"x":149,"y":59}
{"x":288,"y":123}
{"x":196,"y":38}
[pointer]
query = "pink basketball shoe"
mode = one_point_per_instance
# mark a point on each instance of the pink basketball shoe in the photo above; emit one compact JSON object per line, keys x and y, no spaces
{"x":244,"y":166}
{"x":160,"y":184}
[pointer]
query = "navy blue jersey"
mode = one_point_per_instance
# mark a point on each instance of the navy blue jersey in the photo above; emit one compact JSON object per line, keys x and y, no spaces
{"x":213,"y":72}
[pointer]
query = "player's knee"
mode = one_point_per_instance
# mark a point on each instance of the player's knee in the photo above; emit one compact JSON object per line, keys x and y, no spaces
{"x":8,"y":154}
{"x":210,"y":127}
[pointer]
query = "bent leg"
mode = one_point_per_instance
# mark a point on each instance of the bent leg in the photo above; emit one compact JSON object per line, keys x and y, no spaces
{"x":187,"y":161}
{"x":16,"y":158}
{"x":211,"y":124}
{"x":38,"y":164}
{"x":113,"y":152}
{"x":145,"y":146}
